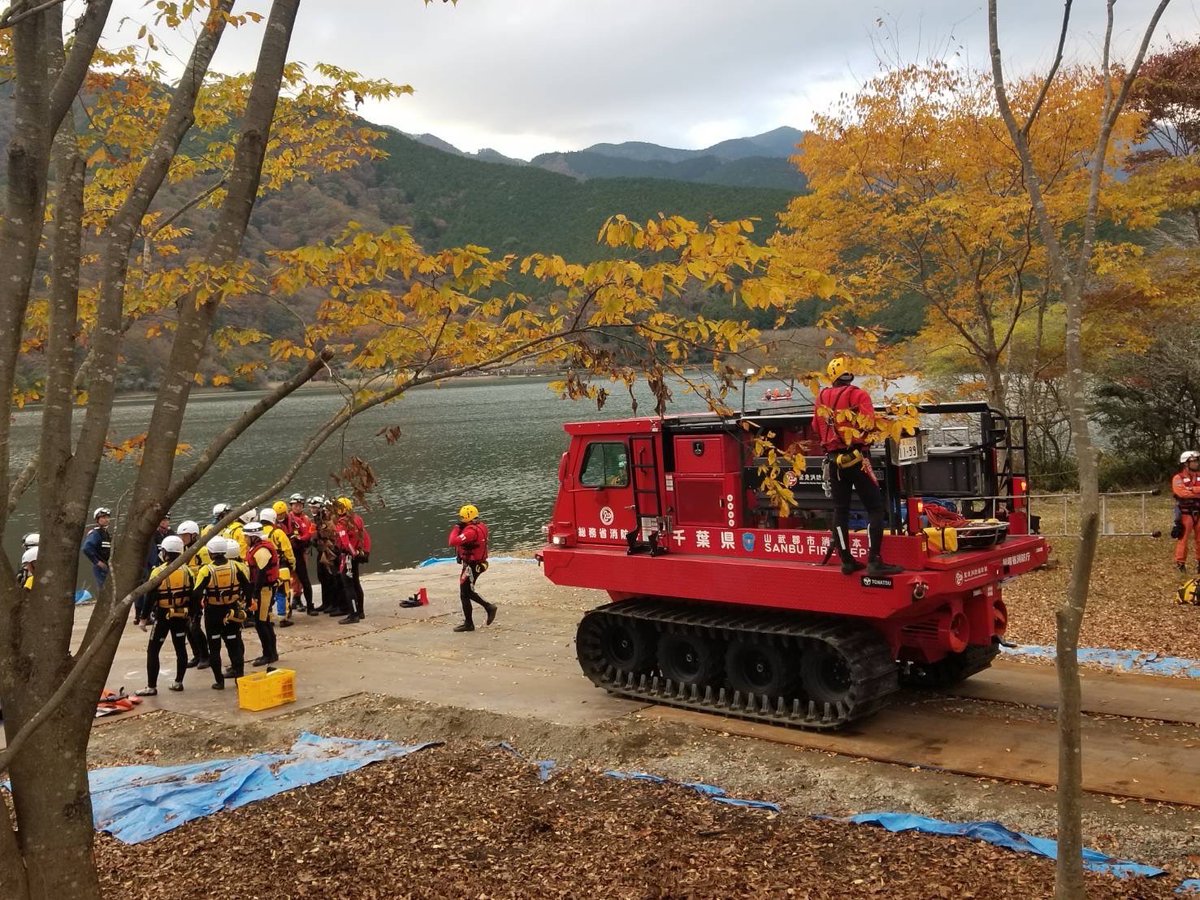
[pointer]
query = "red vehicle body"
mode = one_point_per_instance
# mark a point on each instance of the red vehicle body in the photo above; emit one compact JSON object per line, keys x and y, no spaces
{"x":720,"y":603}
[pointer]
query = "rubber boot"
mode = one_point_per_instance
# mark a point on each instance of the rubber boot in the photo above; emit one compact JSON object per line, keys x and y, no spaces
{"x":877,"y":568}
{"x":465,"y":626}
{"x":850,"y":565}
{"x":491,"y":612}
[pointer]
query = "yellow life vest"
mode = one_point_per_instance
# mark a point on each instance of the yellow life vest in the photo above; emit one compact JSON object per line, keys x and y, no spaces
{"x":221,"y":587}
{"x":1189,"y":594}
{"x":287,"y":559}
{"x":234,"y":532}
{"x":201,"y":559}
{"x":174,"y":593}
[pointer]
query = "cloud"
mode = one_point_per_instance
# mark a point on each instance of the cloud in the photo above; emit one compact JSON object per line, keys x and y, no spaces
{"x":529,"y":76}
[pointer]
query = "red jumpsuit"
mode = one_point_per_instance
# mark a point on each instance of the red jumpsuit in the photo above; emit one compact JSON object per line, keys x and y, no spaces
{"x":1186,"y":488}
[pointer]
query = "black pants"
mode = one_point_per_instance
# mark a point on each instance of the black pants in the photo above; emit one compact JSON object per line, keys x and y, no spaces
{"x":358,"y":591}
{"x":178,"y":632}
{"x":231,"y":633}
{"x":466,"y":589}
{"x":264,"y":627}
{"x":845,"y":481}
{"x":195,"y":637}
{"x":305,"y":581}
{"x":331,"y":588}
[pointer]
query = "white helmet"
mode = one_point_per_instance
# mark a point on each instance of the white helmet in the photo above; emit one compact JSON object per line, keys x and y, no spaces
{"x":216,"y":546}
{"x":248,"y":516}
{"x":31,"y":540}
{"x":233,"y":550}
{"x":172,"y":544}
{"x":296,"y":498}
{"x":29,"y":556}
{"x":188,"y":527}
{"x":253,"y":529}
{"x":220,"y":509}
{"x":268,"y":515}
{"x":1187,"y":456}
{"x":101,"y":511}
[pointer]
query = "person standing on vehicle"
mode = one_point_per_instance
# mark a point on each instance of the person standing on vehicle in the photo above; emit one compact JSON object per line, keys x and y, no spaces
{"x":172,"y":604}
{"x":303,"y":533}
{"x":264,"y":575}
{"x":97,"y":546}
{"x":1186,"y":488}
{"x":222,"y":587}
{"x":843,"y":420}
{"x":469,"y":538}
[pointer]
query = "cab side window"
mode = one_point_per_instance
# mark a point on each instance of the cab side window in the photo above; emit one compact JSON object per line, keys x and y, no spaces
{"x":605,"y":465}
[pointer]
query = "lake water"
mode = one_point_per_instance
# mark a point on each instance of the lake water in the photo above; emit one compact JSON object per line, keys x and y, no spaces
{"x":492,"y":443}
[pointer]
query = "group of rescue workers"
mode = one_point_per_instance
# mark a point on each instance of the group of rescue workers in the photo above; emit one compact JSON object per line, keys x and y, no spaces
{"x":254,"y":571}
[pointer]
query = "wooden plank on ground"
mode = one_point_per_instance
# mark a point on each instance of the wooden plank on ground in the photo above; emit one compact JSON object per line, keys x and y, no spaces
{"x":1153,"y":761}
{"x":1104,"y":693}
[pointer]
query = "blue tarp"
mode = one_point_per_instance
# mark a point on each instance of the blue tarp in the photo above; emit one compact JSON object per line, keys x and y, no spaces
{"x":545,"y":767}
{"x":434,"y":560}
{"x":83,"y":595}
{"x":1120,"y":660}
{"x":712,"y":792}
{"x":137,"y":803}
{"x":997,"y":834}
{"x":1191,"y":886}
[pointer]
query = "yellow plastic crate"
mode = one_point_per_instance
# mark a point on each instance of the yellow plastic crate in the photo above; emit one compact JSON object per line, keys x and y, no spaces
{"x":264,"y":690}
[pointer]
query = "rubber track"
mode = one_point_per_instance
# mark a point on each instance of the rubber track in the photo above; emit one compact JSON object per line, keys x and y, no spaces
{"x":873,"y":671}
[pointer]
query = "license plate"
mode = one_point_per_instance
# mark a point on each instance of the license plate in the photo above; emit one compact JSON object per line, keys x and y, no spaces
{"x":908,"y":450}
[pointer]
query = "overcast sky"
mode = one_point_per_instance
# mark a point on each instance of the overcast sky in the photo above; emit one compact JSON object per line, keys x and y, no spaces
{"x":530,"y":76}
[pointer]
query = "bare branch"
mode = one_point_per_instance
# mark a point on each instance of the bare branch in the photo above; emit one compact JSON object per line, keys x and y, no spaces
{"x":1058,"y":55}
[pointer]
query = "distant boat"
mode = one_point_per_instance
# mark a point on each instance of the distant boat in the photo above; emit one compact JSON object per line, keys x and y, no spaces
{"x":777,"y":396}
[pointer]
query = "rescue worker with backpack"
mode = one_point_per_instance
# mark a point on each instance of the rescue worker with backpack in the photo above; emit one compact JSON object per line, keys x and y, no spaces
{"x":189,"y":533}
{"x":287,"y":560}
{"x":1186,"y":488}
{"x":469,"y":538}
{"x":263,"y":561}
{"x":171,"y":606}
{"x":843,"y":419}
{"x":222,"y":587}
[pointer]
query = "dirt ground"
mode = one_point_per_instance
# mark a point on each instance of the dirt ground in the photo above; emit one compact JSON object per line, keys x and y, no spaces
{"x":464,"y":821}
{"x":467,"y":820}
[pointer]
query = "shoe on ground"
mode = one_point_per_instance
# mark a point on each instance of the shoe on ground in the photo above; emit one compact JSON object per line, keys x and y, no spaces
{"x":312,"y":611}
{"x":259,"y":661}
{"x":465,"y":626}
{"x":349,"y":620}
{"x":192,"y":663}
{"x":147,"y":692}
{"x":850,"y":566}
{"x":491,"y":613}
{"x":218,"y":685}
{"x":203,"y":664}
{"x":286,"y":623}
{"x":145,"y":626}
{"x":175,"y":686}
{"x":877,"y":568}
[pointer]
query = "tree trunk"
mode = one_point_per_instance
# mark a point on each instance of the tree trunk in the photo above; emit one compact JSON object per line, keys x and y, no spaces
{"x":54,"y":808}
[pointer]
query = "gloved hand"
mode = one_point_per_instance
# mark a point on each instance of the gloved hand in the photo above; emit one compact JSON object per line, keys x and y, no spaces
{"x":1176,"y":531}
{"x":364,"y":558}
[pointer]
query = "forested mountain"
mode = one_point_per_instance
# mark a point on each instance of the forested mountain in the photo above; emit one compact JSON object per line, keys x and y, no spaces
{"x":449,"y":199}
{"x":758,"y":161}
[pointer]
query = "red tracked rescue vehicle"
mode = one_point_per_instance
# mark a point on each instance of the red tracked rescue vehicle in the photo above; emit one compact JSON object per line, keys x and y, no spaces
{"x":722,"y":605}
